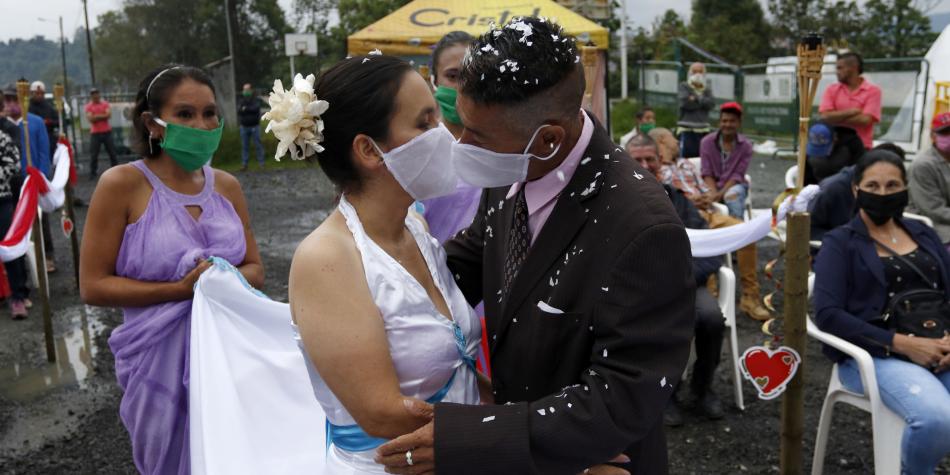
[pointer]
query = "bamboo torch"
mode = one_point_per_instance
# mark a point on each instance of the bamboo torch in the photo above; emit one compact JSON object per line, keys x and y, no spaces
{"x":589,"y":60}
{"x":58,"y":95}
{"x":811,"y":56}
{"x":23,"y":95}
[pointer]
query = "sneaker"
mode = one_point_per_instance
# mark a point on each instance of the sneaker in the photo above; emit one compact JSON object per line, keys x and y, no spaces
{"x":28,"y":303}
{"x":711,"y":406}
{"x":672,"y":416}
{"x":18,"y":310}
{"x":752,"y":307}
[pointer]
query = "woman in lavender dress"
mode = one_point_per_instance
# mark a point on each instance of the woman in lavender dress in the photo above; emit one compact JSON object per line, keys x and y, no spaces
{"x":151,"y":227}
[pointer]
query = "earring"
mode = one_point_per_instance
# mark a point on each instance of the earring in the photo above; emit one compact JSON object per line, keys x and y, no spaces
{"x":150,"y":152}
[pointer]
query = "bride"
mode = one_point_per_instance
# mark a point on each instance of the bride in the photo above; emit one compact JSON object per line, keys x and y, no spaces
{"x":377,"y":311}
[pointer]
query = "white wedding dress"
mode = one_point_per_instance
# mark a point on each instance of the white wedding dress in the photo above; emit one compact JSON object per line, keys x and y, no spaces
{"x":432,"y":354}
{"x":252,"y":403}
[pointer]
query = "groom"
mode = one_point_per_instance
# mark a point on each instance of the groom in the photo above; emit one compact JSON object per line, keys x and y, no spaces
{"x":584,"y":269}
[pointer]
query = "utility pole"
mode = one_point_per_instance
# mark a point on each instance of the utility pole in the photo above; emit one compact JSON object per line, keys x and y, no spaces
{"x":227,"y":19}
{"x":62,"y":47}
{"x":92,"y":65}
{"x":623,"y":49}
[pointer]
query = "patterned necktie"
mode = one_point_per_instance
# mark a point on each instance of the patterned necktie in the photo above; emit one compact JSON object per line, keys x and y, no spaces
{"x":519,"y":240}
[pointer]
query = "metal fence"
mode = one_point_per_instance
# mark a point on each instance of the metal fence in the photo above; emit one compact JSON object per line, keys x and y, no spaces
{"x":769,"y":96}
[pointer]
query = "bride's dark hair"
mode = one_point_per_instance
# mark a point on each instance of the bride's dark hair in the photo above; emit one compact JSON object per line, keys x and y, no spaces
{"x":361,"y":92}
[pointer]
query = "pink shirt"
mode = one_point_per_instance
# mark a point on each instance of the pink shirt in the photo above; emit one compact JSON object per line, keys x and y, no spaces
{"x":866,"y":97}
{"x":541,"y":194}
{"x":98,"y":126}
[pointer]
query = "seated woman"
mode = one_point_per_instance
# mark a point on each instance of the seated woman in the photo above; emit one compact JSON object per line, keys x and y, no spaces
{"x":856,"y":277}
{"x":378,"y":311}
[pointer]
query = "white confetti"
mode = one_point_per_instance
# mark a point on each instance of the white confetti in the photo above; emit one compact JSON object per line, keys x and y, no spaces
{"x":605,"y":288}
{"x":585,"y":161}
{"x":364,"y":60}
{"x":637,"y":176}
{"x":551,"y":409}
{"x":542,"y":412}
{"x":605,"y":352}
{"x":597,"y":174}
{"x":663,"y":382}
{"x":569,"y":405}
{"x":552,"y":282}
{"x":586,"y":388}
{"x":560,"y":175}
{"x":606,"y":386}
{"x":549,"y":309}
{"x":514,"y":320}
{"x":613,"y":186}
{"x":501,"y":204}
{"x":376,"y":52}
{"x":488,"y":419}
{"x":591,"y":328}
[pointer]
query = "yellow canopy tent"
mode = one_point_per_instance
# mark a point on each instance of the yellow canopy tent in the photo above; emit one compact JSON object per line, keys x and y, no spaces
{"x":412,"y":30}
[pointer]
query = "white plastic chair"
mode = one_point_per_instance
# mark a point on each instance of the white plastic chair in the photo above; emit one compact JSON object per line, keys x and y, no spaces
{"x":748,"y":198}
{"x":887,"y":427}
{"x":921,"y":218}
{"x":791,"y":176}
{"x":727,"y":303}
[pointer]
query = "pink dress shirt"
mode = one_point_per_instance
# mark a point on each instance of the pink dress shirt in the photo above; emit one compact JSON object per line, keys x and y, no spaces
{"x":541,"y":194}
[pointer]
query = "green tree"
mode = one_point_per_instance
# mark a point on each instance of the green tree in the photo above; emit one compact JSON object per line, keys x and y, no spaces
{"x":312,"y":16}
{"x":793,"y":19}
{"x":735,"y":30}
{"x":144,"y":34}
{"x":894,"y":28}
{"x":666,"y":29}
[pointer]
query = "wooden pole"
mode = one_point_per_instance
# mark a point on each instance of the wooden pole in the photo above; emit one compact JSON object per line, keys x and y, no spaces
{"x":58,"y":95}
{"x":589,"y":60}
{"x":22,"y":89}
{"x":795,"y":308}
{"x":811,"y":55}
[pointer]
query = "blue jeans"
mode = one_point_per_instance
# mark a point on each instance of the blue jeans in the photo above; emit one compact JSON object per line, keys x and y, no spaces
{"x":918,"y":396}
{"x":735,"y":199}
{"x":246,"y":134}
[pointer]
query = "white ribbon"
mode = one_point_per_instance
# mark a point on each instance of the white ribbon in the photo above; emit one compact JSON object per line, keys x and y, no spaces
{"x":716,"y":242}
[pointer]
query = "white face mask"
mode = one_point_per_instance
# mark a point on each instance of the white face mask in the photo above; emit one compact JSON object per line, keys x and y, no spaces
{"x":697,"y":79}
{"x":488,"y":169}
{"x":423,"y":165}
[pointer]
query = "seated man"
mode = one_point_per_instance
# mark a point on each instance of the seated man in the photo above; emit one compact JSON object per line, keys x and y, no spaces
{"x":725,"y":155}
{"x":829,"y":150}
{"x":930,"y":179}
{"x":646,"y":121}
{"x":834,"y":204}
{"x":683,"y":176}
{"x":710,"y":324}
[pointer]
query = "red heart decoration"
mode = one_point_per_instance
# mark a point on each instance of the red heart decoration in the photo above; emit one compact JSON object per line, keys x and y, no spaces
{"x":67,"y":226}
{"x":770,"y":370}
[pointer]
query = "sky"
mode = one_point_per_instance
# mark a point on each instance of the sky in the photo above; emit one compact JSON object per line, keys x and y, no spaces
{"x":20,"y":19}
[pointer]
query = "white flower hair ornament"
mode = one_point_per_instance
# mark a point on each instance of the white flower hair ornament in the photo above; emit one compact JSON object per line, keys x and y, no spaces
{"x":295,"y":118}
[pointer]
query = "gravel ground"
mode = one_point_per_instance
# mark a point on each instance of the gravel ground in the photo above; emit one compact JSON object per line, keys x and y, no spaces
{"x":63,"y":418}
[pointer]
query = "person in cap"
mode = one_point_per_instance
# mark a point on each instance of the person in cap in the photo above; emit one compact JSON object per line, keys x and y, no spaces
{"x":725,"y":155}
{"x":11,"y":106}
{"x":930,"y":178}
{"x":249,"y":119}
{"x":830,"y":148}
{"x":98,"y":112}
{"x":40,"y":106}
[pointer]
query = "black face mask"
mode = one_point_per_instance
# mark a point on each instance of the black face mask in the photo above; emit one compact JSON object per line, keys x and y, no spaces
{"x":882,"y":208}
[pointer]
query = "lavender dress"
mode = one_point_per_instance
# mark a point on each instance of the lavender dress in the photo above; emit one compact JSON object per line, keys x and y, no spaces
{"x":151,"y":346}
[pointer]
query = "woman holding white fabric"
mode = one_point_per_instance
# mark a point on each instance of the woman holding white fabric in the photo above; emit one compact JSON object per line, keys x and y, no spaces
{"x":379,"y":314}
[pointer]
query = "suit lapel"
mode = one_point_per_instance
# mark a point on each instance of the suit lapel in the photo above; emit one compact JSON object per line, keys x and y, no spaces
{"x":560,"y":229}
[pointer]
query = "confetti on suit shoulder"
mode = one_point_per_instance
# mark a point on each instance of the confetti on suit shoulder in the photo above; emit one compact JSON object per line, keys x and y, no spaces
{"x":488,"y":419}
{"x":376,"y":52}
{"x":605,"y":352}
{"x":663,"y":382}
{"x":585,"y":161}
{"x":560,"y":175}
{"x":551,"y":409}
{"x":569,"y":405}
{"x":549,"y":309}
{"x":542,"y":411}
{"x":605,"y":288}
{"x":637,"y":176}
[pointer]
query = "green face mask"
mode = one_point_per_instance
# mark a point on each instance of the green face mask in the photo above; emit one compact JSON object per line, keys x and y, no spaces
{"x":190,"y":148}
{"x":246,"y":93}
{"x":445,"y":96}
{"x":646,"y":128}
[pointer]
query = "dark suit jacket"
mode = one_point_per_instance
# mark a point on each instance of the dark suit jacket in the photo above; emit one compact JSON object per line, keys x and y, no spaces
{"x":851,"y":288}
{"x":575,"y":389}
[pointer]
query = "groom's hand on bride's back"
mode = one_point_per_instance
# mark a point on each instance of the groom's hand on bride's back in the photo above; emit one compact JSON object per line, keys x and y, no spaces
{"x":395,"y":454}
